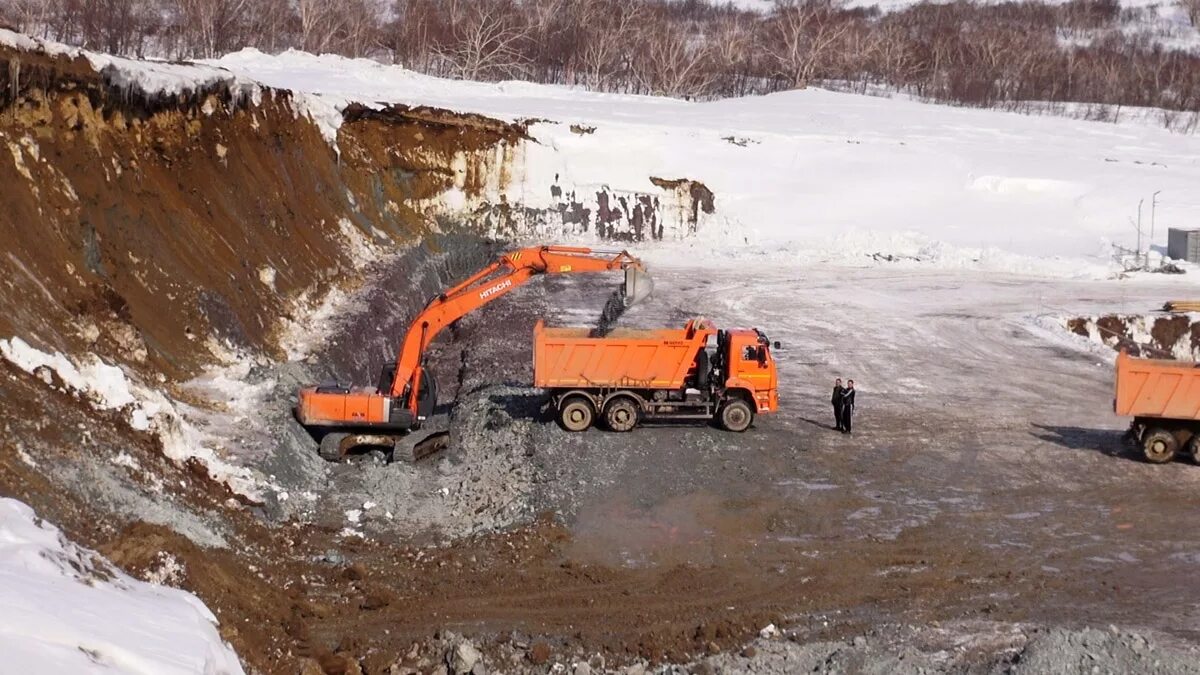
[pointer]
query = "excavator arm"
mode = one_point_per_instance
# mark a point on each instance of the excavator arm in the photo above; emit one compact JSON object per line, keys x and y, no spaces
{"x":496,"y":280}
{"x":397,"y":405}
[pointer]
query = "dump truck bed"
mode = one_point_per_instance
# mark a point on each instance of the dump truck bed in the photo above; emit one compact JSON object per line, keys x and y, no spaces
{"x":650,"y":359}
{"x":1157,"y":388}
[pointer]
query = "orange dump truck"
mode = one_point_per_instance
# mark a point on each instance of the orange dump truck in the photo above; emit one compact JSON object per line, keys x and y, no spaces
{"x":1163,"y":397}
{"x":628,"y":376}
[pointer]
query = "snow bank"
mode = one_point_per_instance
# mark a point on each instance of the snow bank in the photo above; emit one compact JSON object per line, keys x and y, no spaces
{"x":66,"y":611}
{"x":149,"y":76}
{"x":104,"y":385}
{"x":809,"y":175}
{"x":108,"y":388}
{"x":814,"y":174}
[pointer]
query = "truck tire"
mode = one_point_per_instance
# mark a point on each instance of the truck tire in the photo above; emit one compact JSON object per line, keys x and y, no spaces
{"x":330,"y":448}
{"x":1193,"y":447}
{"x":576,"y":414}
{"x":621,"y":414}
{"x":736,"y":415}
{"x":1159,"y":446}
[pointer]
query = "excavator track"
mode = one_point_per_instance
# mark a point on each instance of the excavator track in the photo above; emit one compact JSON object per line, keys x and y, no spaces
{"x":411,"y":446}
{"x":331,"y":445}
{"x":431,"y":438}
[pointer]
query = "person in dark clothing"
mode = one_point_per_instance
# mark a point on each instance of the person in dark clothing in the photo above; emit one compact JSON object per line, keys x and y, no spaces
{"x":837,"y":403}
{"x":848,"y":407}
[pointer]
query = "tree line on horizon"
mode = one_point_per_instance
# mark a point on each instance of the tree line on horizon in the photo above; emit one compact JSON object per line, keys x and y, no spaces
{"x":1016,"y":55}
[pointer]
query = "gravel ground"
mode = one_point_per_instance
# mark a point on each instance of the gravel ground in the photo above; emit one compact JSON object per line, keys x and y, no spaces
{"x":985,"y":484}
{"x":979,"y":647}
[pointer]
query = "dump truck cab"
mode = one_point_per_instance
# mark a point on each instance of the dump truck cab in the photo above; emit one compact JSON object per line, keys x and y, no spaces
{"x":751,"y":367}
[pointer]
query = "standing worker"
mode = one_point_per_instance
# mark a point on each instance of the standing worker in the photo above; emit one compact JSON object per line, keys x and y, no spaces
{"x":838,"y":389}
{"x":847,"y":406}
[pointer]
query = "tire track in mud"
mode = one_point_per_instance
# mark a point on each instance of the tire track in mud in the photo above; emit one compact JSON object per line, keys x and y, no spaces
{"x":988,"y":444}
{"x":800,"y":550}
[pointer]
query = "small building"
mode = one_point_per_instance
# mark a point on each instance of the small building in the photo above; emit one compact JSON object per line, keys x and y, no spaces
{"x":1183,"y":244}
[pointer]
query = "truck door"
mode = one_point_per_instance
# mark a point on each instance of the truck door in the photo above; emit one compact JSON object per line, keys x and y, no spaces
{"x":757,"y":366}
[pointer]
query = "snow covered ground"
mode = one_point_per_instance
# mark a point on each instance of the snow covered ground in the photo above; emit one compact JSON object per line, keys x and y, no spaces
{"x":67,"y":611}
{"x":107,"y":387}
{"x":801,"y":176}
{"x":817,"y":175}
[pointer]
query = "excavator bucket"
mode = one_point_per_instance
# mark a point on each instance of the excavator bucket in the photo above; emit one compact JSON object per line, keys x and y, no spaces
{"x":638,"y":286}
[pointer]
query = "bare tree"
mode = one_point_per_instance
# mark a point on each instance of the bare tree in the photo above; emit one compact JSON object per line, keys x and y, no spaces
{"x":485,"y":43}
{"x":609,"y":32}
{"x":29,"y":16}
{"x":115,"y":26}
{"x":1192,"y":8}
{"x":804,"y":38}
{"x":212,"y":27}
{"x":360,"y":27}
{"x":672,"y":64}
{"x":320,"y":23}
{"x":730,"y":52}
{"x":987,"y":54}
{"x":269,"y":26}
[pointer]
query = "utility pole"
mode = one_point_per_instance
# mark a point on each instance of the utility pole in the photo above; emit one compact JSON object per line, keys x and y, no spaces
{"x":1139,"y":229}
{"x":1153,"y":208}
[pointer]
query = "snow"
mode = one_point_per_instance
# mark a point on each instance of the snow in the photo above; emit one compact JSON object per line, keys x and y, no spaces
{"x":103,"y":384}
{"x":150,"y":76}
{"x":107,"y":387}
{"x":816,"y":175}
{"x":760,"y":6}
{"x":798,"y":176}
{"x":318,"y":312}
{"x":67,"y":611}
{"x":895,"y":5}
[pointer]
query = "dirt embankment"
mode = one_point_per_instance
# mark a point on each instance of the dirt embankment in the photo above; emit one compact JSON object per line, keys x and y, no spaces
{"x":1163,"y":336}
{"x":150,"y":228}
{"x":162,"y":231}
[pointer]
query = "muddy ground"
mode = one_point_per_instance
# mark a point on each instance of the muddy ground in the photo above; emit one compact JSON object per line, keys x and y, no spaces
{"x":984,"y":496}
{"x":985,"y":481}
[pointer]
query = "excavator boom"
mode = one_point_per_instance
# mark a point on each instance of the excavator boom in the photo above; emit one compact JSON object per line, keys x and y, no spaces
{"x":409,"y":395}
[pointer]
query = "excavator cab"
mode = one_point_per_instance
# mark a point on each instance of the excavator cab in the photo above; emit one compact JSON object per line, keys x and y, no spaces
{"x":426,"y":397}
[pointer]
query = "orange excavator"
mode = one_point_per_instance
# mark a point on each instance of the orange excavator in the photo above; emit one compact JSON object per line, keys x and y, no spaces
{"x":397,"y":414}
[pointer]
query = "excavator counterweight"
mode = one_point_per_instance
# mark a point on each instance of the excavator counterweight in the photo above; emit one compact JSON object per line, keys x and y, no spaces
{"x":398,"y":414}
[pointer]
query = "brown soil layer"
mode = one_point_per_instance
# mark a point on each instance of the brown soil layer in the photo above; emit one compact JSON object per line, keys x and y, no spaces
{"x":1171,"y":336}
{"x":139,"y":226}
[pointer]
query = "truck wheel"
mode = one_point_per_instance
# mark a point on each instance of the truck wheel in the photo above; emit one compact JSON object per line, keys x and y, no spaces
{"x":577,"y":414}
{"x":330,"y":448}
{"x":1159,"y":446}
{"x":736,"y":415}
{"x":621,"y":415}
{"x":1193,"y":448}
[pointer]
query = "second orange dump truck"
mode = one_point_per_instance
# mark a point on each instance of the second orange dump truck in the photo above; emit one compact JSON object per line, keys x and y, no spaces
{"x":1163,"y":398}
{"x":628,"y":376}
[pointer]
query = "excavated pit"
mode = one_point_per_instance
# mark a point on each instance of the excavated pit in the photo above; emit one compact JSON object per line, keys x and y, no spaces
{"x":213,"y":244}
{"x":216,"y":239}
